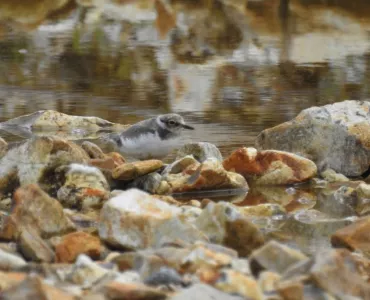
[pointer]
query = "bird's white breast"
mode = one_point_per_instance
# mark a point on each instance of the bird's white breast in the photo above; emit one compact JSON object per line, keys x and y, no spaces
{"x":148,"y":146}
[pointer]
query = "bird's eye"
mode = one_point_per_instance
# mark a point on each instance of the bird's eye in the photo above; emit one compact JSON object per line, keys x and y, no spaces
{"x":172,"y":123}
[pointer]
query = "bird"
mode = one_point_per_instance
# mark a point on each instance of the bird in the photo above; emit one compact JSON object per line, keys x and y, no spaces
{"x":152,"y":138}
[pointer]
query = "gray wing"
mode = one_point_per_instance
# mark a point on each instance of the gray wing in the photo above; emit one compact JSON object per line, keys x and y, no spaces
{"x":143,"y":127}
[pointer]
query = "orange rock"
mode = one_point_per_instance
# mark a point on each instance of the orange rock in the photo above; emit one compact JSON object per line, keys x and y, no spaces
{"x":270,"y":166}
{"x":105,"y":163}
{"x":35,"y":209}
{"x":76,"y":243}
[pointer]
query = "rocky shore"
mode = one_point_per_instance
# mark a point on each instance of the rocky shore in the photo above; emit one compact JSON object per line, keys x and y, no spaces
{"x":77,"y":222}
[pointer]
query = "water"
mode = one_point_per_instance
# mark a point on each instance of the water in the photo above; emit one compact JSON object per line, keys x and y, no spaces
{"x":231,"y":68}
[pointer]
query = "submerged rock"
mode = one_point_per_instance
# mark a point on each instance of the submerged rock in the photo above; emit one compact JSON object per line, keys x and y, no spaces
{"x":355,"y":237}
{"x":270,"y":167}
{"x":137,"y":220}
{"x":200,"y":151}
{"x":224,"y":224}
{"x":275,"y":257}
{"x":84,"y":187}
{"x":33,"y":208}
{"x":334,"y":136}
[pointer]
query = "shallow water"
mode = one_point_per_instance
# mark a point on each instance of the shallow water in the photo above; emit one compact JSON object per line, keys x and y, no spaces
{"x":230,"y":70}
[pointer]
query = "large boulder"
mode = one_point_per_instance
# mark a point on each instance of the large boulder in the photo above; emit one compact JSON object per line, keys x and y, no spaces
{"x":335,"y":136}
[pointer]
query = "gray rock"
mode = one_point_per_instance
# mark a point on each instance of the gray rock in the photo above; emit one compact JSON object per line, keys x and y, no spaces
{"x":204,"y":292}
{"x":10,"y":261}
{"x":333,"y":136}
{"x":164,"y":276}
{"x":34,"y":248}
{"x":200,"y":151}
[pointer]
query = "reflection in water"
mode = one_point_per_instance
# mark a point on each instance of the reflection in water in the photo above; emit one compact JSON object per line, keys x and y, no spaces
{"x":231,"y":68}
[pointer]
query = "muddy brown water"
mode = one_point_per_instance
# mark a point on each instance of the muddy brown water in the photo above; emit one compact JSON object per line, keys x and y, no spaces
{"x":230,"y":70}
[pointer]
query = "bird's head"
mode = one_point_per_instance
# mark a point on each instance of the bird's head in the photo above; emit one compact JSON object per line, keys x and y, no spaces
{"x":172,"y":122}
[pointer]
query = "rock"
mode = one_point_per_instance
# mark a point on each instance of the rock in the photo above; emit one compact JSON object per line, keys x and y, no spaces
{"x":3,"y":147}
{"x":35,"y":161}
{"x":362,"y":193}
{"x":164,"y":276}
{"x":85,"y":272}
{"x":35,"y":209}
{"x":10,"y":279}
{"x":10,"y":261}
{"x":179,"y":165}
{"x":200,"y":151}
{"x":33,"y":287}
{"x":204,"y":292}
{"x":136,"y":220}
{"x":263,"y":210}
{"x":333,"y":136}
{"x":224,"y":224}
{"x":93,"y":150}
{"x":233,"y":282}
{"x":50,"y":119}
{"x":136,"y":291}
{"x":270,"y":167}
{"x":355,"y":237}
{"x":210,"y":175}
{"x":76,"y":243}
{"x":34,"y":248}
{"x":267,"y":281}
{"x":335,"y":272}
{"x":275,"y":257}
{"x":151,"y":183}
{"x":203,"y":257}
{"x":332,"y":176}
{"x":129,"y":171}
{"x":84,"y":187}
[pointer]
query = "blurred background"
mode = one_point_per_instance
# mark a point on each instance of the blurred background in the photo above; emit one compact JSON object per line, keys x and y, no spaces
{"x":230,"y":67}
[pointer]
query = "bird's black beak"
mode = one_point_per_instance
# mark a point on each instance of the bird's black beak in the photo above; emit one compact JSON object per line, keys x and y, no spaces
{"x":187,"y":127}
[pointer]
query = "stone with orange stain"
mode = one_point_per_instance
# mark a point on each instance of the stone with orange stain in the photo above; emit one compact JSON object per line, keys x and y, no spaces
{"x":136,"y":220}
{"x":33,"y":208}
{"x":76,"y":243}
{"x":166,"y":19}
{"x":210,"y":175}
{"x":270,"y":167}
{"x":335,"y":136}
{"x":84,"y":187}
{"x":130,"y":171}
